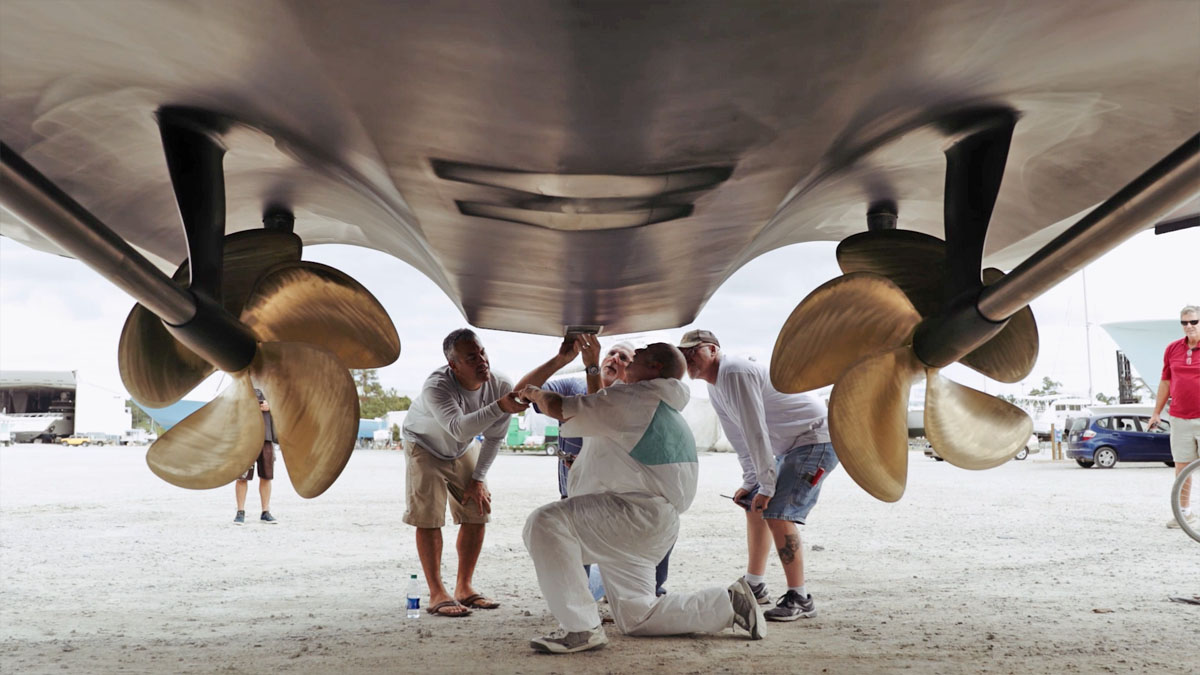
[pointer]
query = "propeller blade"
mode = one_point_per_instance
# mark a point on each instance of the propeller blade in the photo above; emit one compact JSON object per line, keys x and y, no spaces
{"x":155,"y":367}
{"x":248,"y":256}
{"x":914,"y":261}
{"x":1010,"y":355}
{"x":971,"y":429}
{"x":843,"y":320}
{"x":214,"y":445}
{"x":316,"y":304}
{"x":868,"y":421}
{"x":314,"y":406}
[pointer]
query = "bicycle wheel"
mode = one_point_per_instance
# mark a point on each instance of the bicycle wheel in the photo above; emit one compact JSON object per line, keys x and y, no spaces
{"x":1177,"y":508}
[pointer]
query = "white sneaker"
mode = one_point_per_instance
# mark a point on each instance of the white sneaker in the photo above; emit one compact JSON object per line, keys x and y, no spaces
{"x":570,"y":643}
{"x":747,"y":613}
{"x":1191,"y":519}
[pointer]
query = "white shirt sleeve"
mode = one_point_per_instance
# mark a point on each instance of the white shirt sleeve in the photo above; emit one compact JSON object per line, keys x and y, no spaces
{"x":734,"y":434}
{"x":609,"y":413}
{"x":743,"y":395}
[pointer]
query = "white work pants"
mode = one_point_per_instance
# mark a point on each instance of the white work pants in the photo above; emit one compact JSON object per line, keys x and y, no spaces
{"x":627,"y":536}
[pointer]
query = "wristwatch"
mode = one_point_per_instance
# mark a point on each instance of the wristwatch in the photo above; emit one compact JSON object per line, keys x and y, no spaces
{"x":593,"y":370}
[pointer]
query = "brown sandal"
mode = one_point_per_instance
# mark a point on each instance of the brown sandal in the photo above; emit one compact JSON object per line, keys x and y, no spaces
{"x":449,"y":604}
{"x":478,"y":601}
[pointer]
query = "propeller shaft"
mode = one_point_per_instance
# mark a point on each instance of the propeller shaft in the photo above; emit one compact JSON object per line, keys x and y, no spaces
{"x":38,"y":201}
{"x":975,"y":317}
{"x":201,"y":324}
{"x":1152,"y":195}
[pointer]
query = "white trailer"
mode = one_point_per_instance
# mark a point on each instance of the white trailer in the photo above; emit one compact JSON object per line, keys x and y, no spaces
{"x":100,"y":412}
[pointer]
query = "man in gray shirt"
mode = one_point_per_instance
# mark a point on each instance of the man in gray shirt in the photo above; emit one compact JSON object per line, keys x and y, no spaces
{"x":458,"y":401}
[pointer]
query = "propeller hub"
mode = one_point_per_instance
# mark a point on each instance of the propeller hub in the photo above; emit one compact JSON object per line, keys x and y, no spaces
{"x":944,"y":339}
{"x":216,"y":336}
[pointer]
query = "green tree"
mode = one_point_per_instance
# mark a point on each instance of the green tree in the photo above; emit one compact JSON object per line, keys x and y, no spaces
{"x":1105,"y":399}
{"x":1049,"y":388}
{"x":373,"y":400}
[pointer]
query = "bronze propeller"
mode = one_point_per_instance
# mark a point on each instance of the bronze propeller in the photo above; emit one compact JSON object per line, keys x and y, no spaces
{"x":289,"y":327}
{"x":909,"y":305}
{"x":857,"y":333}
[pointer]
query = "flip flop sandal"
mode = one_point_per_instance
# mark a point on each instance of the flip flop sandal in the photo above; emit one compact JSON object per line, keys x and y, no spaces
{"x":478,"y":601}
{"x":437,"y":609}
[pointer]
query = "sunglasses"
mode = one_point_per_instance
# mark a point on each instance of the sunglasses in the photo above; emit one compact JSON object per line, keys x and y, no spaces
{"x":1193,"y":322}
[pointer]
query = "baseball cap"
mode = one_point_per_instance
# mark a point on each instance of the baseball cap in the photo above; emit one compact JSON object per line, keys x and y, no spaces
{"x":696,"y":337}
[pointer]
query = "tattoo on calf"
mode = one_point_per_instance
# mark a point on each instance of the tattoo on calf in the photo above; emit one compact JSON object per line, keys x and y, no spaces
{"x":791,"y":546}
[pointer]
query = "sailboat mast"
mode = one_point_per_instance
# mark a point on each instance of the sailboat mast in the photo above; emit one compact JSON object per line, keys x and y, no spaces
{"x":1087,"y":334}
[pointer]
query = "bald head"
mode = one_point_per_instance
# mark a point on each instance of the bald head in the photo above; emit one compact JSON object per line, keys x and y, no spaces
{"x":654,"y":361}
{"x":673,"y":363}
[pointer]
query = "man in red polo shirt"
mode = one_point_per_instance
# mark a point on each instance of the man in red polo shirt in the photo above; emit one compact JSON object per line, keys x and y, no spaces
{"x":1181,"y":380}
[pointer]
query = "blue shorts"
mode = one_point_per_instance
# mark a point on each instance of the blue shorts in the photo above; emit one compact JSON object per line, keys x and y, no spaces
{"x":799,"y":475}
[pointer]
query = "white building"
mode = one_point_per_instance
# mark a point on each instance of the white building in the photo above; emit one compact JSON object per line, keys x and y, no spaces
{"x":42,"y":405}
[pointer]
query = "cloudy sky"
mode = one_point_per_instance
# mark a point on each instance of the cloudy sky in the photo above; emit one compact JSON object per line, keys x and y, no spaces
{"x":56,"y":314}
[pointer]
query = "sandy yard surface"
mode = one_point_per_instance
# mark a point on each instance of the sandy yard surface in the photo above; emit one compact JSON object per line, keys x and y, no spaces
{"x":1034,"y":567}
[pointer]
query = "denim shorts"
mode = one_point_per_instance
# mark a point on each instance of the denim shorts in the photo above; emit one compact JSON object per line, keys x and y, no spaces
{"x":799,"y":475}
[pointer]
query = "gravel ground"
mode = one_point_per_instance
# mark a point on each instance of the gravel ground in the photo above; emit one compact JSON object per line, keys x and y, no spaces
{"x":1033,"y":567}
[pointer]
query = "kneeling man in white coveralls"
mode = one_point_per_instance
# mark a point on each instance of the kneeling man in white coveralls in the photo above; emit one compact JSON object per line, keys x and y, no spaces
{"x":635,"y":475}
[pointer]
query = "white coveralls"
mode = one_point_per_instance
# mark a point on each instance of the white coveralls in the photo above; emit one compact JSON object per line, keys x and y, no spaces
{"x":636,"y":473}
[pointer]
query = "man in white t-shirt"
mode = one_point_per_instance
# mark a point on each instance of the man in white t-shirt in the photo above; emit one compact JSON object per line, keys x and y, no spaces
{"x":782,"y":443}
{"x":636,"y":473}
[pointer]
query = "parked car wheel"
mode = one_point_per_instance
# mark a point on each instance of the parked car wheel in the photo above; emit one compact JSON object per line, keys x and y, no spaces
{"x":1105,"y":457}
{"x":1083,"y":463}
{"x":1022,"y":454}
{"x":551,"y":449}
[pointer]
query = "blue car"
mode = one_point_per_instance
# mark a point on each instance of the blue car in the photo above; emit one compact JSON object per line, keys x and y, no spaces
{"x":1103,"y":440}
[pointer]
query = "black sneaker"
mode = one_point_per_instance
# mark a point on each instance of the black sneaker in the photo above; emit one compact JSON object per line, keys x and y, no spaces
{"x":268,"y":518}
{"x":760,"y":593}
{"x":240,"y":518}
{"x":791,"y":607}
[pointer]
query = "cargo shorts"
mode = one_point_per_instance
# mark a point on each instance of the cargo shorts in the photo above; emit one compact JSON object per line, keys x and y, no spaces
{"x":431,"y":482}
{"x":1185,"y":439}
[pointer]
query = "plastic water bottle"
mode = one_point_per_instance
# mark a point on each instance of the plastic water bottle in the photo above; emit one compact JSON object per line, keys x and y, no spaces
{"x":414,"y":597}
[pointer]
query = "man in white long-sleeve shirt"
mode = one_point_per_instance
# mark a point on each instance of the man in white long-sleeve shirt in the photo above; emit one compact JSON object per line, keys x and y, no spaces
{"x":636,"y":473}
{"x":458,"y":401}
{"x":782,"y":442}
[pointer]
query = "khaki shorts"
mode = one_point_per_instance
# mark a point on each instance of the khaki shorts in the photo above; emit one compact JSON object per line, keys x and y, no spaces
{"x":1185,"y":439}
{"x":426,"y":494}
